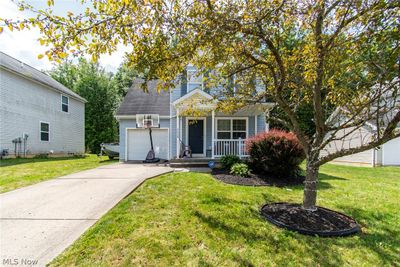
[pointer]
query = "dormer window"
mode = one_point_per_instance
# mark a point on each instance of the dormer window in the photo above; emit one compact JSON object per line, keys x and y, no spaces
{"x":194,"y":80}
{"x":64,"y":103}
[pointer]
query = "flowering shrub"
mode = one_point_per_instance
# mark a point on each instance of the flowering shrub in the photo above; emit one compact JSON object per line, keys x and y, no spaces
{"x":276,"y":152}
{"x":240,"y":169}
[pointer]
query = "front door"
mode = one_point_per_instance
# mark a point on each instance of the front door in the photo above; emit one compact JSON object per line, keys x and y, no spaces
{"x":196,"y":136}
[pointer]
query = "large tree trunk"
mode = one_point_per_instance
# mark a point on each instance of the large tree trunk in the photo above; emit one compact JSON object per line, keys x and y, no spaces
{"x":310,"y":185}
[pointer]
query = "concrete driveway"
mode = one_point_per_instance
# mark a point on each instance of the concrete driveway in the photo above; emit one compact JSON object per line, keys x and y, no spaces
{"x":38,"y":222}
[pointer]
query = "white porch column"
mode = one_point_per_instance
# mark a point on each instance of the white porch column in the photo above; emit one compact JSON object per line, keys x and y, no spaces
{"x":177,"y":134}
{"x":212,"y":133}
{"x":255,"y":124}
{"x":266,"y":123}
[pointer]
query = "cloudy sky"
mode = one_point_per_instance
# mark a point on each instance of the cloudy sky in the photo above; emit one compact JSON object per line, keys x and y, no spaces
{"x":24,"y":46}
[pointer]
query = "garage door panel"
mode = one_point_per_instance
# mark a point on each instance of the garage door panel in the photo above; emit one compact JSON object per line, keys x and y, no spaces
{"x":139,"y":143}
{"x":391,"y":152}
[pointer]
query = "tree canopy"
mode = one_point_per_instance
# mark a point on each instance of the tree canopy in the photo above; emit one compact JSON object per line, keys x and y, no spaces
{"x":100,"y":89}
{"x":332,"y":55}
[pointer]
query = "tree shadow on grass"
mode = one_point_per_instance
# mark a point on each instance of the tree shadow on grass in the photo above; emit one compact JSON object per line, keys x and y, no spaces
{"x":19,"y":161}
{"x":246,"y":224}
{"x":377,"y":235}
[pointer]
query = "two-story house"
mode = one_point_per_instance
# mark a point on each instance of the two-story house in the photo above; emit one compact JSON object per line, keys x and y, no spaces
{"x":209,"y":134}
{"x":38,"y":115}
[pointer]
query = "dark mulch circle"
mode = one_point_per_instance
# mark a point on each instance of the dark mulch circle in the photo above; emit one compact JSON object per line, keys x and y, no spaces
{"x":322,"y":222}
{"x":255,"y":179}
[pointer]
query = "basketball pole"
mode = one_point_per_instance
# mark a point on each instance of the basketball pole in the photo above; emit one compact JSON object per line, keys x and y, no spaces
{"x":151,"y":139}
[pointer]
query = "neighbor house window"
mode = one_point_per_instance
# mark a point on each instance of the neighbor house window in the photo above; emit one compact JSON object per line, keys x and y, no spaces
{"x":64,"y":103}
{"x":231,"y":128}
{"x":44,"y":131}
{"x":194,"y":80}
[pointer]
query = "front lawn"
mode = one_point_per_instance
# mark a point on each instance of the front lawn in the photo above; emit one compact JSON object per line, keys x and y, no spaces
{"x":192,"y":219}
{"x":16,"y":173}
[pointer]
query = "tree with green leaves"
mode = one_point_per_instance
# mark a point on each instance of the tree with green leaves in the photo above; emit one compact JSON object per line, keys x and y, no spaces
{"x":124,"y":78}
{"x":333,"y":55}
{"x":99,"y":88}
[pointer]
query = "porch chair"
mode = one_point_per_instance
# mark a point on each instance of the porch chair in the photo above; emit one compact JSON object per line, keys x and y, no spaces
{"x":186,"y":151}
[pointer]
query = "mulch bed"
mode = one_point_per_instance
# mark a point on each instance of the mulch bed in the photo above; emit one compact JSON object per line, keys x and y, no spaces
{"x":255,"y":179}
{"x":322,"y":222}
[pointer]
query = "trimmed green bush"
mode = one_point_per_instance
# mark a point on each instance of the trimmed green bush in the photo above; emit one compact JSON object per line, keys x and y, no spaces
{"x":240,"y":169}
{"x":276,"y":152}
{"x":228,"y":161}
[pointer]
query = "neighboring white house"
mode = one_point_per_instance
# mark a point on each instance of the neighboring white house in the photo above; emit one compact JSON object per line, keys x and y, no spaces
{"x":38,"y":115}
{"x":386,"y":155}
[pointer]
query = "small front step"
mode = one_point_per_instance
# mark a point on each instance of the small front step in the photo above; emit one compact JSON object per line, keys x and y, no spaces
{"x":183,"y":164}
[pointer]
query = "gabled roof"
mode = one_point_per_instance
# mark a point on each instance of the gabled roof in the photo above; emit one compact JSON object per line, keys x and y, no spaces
{"x":14,"y":65}
{"x":193,"y":94}
{"x":137,"y":101}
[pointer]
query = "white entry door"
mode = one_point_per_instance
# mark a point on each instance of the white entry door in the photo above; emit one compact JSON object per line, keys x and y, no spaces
{"x":138,"y":143}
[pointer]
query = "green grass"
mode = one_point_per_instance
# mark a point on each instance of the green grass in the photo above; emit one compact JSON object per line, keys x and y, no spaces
{"x":16,"y":173}
{"x":190,"y":219}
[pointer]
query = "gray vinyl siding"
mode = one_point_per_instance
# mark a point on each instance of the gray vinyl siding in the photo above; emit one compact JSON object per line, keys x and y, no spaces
{"x":261,"y":123}
{"x":24,"y":103}
{"x":208,"y":133}
{"x":252,"y":125}
{"x":175,"y":94}
{"x":131,"y":123}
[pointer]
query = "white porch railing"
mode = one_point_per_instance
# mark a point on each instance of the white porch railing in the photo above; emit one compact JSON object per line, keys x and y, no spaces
{"x":224,"y":147}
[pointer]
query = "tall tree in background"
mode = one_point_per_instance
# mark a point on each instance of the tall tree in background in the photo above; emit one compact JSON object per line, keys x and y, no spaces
{"x":124,"y":78}
{"x":99,"y":88}
{"x":331,"y":54}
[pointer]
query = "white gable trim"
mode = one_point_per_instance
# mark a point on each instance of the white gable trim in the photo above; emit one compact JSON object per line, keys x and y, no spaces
{"x":190,"y":94}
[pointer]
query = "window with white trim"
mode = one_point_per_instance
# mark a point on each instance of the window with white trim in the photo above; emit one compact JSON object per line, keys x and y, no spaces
{"x":231,"y":128}
{"x":44,"y":131}
{"x":64,"y":103}
{"x":194,"y":80}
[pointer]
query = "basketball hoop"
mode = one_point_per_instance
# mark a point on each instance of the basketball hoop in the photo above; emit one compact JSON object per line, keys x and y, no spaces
{"x":147,"y":121}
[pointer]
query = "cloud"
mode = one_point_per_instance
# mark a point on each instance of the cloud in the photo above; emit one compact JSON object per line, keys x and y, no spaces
{"x":24,"y":45}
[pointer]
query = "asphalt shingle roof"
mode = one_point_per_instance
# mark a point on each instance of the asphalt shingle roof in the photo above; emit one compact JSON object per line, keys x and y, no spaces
{"x":137,"y":101}
{"x":29,"y":72}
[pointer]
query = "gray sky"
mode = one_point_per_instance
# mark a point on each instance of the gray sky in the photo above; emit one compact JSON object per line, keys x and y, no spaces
{"x":24,"y":46}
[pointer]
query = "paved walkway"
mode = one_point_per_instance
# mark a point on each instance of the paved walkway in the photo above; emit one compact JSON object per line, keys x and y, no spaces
{"x":38,"y":222}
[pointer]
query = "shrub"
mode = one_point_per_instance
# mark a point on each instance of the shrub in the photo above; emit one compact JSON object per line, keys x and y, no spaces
{"x":240,"y":169}
{"x":228,"y":161}
{"x":276,"y":152}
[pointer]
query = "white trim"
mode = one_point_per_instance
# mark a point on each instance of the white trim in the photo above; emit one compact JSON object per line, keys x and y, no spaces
{"x":40,"y":131}
{"x":212,"y":133}
{"x":64,"y":104}
{"x":255,"y":124}
{"x":231,"y":130}
{"x":178,"y":144}
{"x":190,"y":94}
{"x":134,"y":128}
{"x":118,"y":117}
{"x":204,"y":119}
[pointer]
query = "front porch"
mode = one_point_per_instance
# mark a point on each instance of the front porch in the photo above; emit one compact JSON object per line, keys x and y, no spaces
{"x":203,"y":132}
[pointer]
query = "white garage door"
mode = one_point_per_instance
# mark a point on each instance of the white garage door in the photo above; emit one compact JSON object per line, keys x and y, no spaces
{"x":391,"y":152}
{"x":139,"y":143}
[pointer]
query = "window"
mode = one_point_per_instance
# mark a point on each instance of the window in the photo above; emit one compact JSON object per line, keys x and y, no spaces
{"x":231,"y":128}
{"x":64,"y":103}
{"x":44,"y":131}
{"x":194,"y":80}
